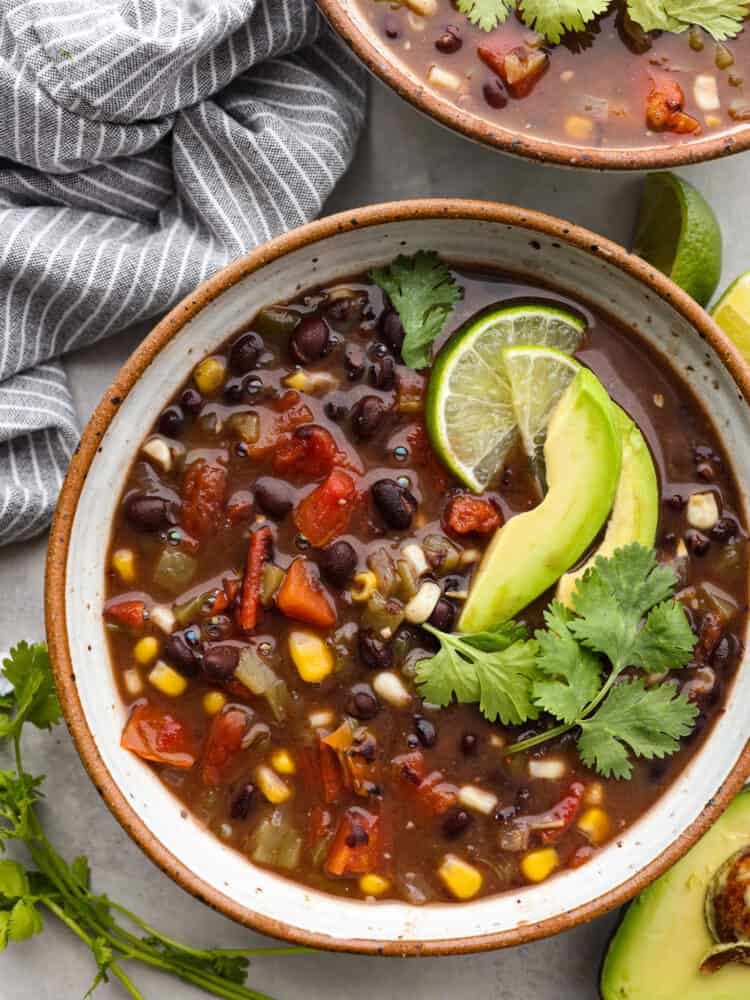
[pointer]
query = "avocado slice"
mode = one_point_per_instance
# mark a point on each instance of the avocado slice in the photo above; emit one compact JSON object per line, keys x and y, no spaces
{"x":635,"y":513}
{"x":528,"y":554}
{"x":657,"y":950}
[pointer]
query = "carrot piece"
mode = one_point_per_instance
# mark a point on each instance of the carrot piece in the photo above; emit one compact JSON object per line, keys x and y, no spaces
{"x":435,"y":795}
{"x":356,"y":847}
{"x":564,"y":811}
{"x":261,"y":548}
{"x":341,"y":738}
{"x":302,"y":597}
{"x":225,"y":739}
{"x":319,"y":825}
{"x":468,"y":515}
{"x":520,"y":69}
{"x":128,"y":612}
{"x":325,"y":513}
{"x":664,"y":107}
{"x":158,"y":736}
{"x":203,"y":489}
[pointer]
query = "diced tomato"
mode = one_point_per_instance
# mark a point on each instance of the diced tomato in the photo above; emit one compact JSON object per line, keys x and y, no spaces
{"x":409,"y":769}
{"x":356,"y":848}
{"x":520,"y":69}
{"x":301,"y":596}
{"x":565,"y":811}
{"x":203,"y":489}
{"x":226,"y":597}
{"x":331,"y":774}
{"x":432,"y":794}
{"x":319,"y":824}
{"x":466,"y":515}
{"x":325,"y":513}
{"x":425,"y":459}
{"x":664,"y":107}
{"x":225,"y":741}
{"x":261,"y":550}
{"x":310,"y":451}
{"x":158,"y":736}
{"x":581,"y":856}
{"x":240,"y":506}
{"x":128,"y":612}
{"x":291,"y":412}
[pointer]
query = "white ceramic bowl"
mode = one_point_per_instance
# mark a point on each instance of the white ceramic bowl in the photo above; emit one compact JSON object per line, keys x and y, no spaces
{"x":535,"y":246}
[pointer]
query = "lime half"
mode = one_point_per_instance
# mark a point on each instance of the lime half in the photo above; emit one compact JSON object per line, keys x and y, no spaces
{"x":470,"y":414}
{"x":538,"y":377}
{"x":732,"y":313}
{"x":678,"y":233}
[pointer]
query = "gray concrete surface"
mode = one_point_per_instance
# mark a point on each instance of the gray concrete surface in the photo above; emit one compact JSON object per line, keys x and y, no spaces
{"x":401,"y":155}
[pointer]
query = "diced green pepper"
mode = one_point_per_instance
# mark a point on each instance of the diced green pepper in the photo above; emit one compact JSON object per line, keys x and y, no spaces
{"x":441,"y":553}
{"x":174,"y":570}
{"x":246,"y":426}
{"x":271,"y":578}
{"x":188,"y":611}
{"x":276,"y":322}
{"x":275,"y":842}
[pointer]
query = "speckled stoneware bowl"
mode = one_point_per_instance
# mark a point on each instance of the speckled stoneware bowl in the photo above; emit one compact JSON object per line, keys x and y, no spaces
{"x":478,"y":232}
{"x":347,"y":19}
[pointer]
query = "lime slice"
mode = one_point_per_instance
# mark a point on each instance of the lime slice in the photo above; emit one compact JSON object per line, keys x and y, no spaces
{"x":732,"y":313}
{"x":469,"y":414}
{"x":678,"y":233}
{"x":538,"y":377}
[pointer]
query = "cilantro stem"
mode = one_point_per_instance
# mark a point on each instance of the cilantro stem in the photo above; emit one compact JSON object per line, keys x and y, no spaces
{"x":534,"y":741}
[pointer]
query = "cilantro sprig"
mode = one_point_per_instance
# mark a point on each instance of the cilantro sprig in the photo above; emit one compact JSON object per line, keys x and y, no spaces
{"x":625,"y":616}
{"x":53,"y":885}
{"x":423,"y":293}
{"x":552,"y":18}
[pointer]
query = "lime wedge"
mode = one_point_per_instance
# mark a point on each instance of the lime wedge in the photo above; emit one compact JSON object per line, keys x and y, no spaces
{"x":470,"y":416}
{"x":538,"y":377}
{"x":732,"y":313}
{"x":678,"y":233}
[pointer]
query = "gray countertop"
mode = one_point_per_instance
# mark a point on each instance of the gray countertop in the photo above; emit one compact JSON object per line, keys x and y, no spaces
{"x":401,"y":155}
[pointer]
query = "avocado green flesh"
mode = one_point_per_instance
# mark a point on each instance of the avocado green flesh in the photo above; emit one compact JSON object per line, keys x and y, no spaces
{"x":635,"y":513}
{"x":529,"y":554}
{"x":658,"y":947}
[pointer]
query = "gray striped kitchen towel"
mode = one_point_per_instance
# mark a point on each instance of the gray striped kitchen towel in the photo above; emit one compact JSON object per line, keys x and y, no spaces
{"x":143,"y":145}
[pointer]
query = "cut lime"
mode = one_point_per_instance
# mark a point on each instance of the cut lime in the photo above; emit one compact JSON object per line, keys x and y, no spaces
{"x":732,"y":313}
{"x":678,"y":233}
{"x":470,"y":415}
{"x":538,"y":377}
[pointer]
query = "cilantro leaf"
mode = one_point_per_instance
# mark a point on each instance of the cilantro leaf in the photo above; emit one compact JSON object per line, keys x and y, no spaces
{"x":29,"y":670}
{"x":648,"y":721}
{"x":666,"y":640}
{"x":446,"y":675}
{"x":423,"y":293}
{"x":571,"y":673}
{"x":496,"y":638}
{"x":652,"y":15}
{"x":505,"y":684}
{"x":487,"y":14}
{"x":14,"y":882}
{"x":552,"y":18}
{"x":25,"y":921}
{"x":720,"y":18}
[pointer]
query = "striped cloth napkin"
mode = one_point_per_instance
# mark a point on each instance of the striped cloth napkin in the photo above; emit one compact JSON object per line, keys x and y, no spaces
{"x":143,"y":145}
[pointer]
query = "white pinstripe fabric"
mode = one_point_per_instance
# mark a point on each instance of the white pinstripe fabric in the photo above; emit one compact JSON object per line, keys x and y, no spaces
{"x":143,"y":144}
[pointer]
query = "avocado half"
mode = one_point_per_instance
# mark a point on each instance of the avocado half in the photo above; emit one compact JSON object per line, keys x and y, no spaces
{"x":657,"y":949}
{"x":635,"y":514}
{"x":582,"y":453}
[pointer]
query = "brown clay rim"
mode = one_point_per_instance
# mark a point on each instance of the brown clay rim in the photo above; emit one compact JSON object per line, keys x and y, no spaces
{"x":57,"y":554}
{"x":519,"y":143}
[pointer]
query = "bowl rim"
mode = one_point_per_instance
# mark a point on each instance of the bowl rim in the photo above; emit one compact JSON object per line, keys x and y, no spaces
{"x":517,"y":143}
{"x":62,"y":525}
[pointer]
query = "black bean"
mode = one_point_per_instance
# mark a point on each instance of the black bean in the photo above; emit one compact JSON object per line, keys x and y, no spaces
{"x":675,"y":502}
{"x":362,"y":703}
{"x":425,"y":730}
{"x":390,"y":26}
{"x":220,"y":661}
{"x":391,"y":330}
{"x":335,"y":411}
{"x":724,"y":652}
{"x":449,"y":42}
{"x":309,"y":341}
{"x":358,"y":836}
{"x":725,"y":530}
{"x":146,"y":513}
{"x":245,"y":352}
{"x":382,"y":374}
{"x":252,"y":387}
{"x":242,"y":803}
{"x":469,"y":744}
{"x":338,"y":562}
{"x":354,"y":362}
{"x":455,"y":823}
{"x":218,"y":627}
{"x":171,"y":421}
{"x":697,"y":542}
{"x":273,"y":497}
{"x":494,"y":94}
{"x":183,"y":653}
{"x":346,"y":311}
{"x":191,"y":402}
{"x":234,"y":389}
{"x":395,"y":504}
{"x":373,"y":652}
{"x":367,"y":416}
{"x":443,"y":615}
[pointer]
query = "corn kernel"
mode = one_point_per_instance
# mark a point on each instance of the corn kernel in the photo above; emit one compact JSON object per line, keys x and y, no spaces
{"x":363,"y":586}
{"x":297,"y":380}
{"x":311,"y":656}
{"x":374,"y":885}
{"x":539,"y":865}
{"x":209,"y":375}
{"x":213,"y":702}
{"x":159,"y":452}
{"x":167,"y":680}
{"x":594,"y":794}
{"x":123,"y":563}
{"x":594,"y":824}
{"x":271,"y":785}
{"x":282,"y":762}
{"x":702,"y":511}
{"x":133,"y":682}
{"x":424,"y":8}
{"x":459,"y":877}
{"x":579,"y":127}
{"x":146,"y":650}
